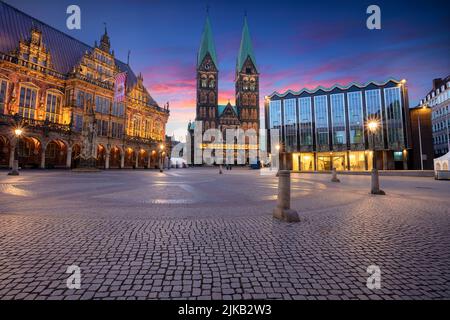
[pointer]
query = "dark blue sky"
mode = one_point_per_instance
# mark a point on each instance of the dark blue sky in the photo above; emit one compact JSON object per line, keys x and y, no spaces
{"x":297,"y":43}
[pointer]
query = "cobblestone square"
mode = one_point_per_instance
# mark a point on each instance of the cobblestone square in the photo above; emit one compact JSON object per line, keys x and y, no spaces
{"x":195,"y":234}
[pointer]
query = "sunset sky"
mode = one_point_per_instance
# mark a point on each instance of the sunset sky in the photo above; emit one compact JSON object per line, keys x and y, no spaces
{"x":297,"y":43}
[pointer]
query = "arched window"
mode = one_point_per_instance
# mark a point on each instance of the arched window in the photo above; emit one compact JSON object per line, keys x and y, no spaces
{"x":252,"y":84}
{"x":204,"y":81}
{"x":245,"y":84}
{"x":203,"y":97}
{"x":212,"y":82}
{"x":253,"y":100}
{"x":244,"y":100}
{"x":212,"y":97}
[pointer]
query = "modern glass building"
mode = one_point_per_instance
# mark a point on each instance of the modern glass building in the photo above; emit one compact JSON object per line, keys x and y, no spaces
{"x":325,"y":128}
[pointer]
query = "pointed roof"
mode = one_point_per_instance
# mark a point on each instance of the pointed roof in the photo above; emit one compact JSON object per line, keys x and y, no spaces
{"x":222,"y":108}
{"x":207,"y":44}
{"x":246,"y":48}
{"x":66,"y":51}
{"x":105,"y":44}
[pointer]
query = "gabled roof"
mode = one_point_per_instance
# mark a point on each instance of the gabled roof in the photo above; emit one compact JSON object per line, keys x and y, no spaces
{"x":246,"y":48}
{"x":65,"y":50}
{"x":359,"y":85}
{"x":207,"y":45}
{"x":221,"y":109}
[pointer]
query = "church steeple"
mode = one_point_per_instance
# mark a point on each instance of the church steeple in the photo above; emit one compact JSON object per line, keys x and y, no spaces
{"x":246,"y":48}
{"x":105,"y":44}
{"x":207,"y":45}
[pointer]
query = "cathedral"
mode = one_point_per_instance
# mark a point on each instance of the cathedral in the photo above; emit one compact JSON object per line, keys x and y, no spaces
{"x":245,"y":114}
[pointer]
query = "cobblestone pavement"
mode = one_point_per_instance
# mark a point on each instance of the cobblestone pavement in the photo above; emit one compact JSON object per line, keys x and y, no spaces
{"x":195,"y":234}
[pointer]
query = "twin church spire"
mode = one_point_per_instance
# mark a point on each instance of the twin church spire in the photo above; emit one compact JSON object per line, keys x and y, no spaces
{"x":207,"y":46}
{"x":245,"y":114}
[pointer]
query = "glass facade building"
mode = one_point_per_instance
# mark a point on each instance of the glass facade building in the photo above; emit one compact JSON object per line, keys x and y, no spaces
{"x":325,"y":128}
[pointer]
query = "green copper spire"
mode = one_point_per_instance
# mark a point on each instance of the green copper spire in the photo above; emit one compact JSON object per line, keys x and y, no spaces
{"x":207,"y":44}
{"x":246,"y":48}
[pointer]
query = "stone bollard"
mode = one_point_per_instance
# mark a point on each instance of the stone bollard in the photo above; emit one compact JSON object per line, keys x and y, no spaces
{"x":220,"y":169}
{"x":15,"y":169}
{"x":334,"y":176}
{"x":375,"y":184}
{"x":283,"y":210}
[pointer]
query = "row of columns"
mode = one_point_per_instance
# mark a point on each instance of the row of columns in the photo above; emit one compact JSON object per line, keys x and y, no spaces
{"x":69,"y":158}
{"x":122,"y":159}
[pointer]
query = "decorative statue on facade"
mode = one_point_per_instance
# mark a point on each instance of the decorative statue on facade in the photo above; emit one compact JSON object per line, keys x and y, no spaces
{"x":88,"y":155}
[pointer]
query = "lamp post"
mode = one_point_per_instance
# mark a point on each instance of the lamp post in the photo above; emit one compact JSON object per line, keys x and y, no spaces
{"x":373,"y":126}
{"x":424,"y":107}
{"x":15,"y":167}
{"x":161,"y":152}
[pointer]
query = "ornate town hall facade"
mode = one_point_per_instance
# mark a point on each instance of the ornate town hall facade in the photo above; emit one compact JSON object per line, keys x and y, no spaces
{"x":245,"y":114}
{"x":60,"y":91}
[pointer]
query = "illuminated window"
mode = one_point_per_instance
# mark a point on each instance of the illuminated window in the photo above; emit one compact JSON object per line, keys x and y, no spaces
{"x":394,"y":120}
{"x":275,"y":114}
{"x":338,"y":119}
{"x":307,"y":162}
{"x":321,"y":112}
{"x":136,"y":126}
{"x":53,"y":108}
{"x":27,"y":102}
{"x":357,"y":160}
{"x":305,"y":115}
{"x":3,"y":86}
{"x":373,"y":103}
{"x":212,"y":82}
{"x":355,"y":116}
{"x":290,"y":124}
{"x":204,"y":82}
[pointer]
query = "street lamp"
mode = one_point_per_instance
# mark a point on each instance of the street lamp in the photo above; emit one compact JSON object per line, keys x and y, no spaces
{"x":15,"y":166}
{"x":161,"y":152}
{"x":373,"y":126}
{"x":424,"y":107}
